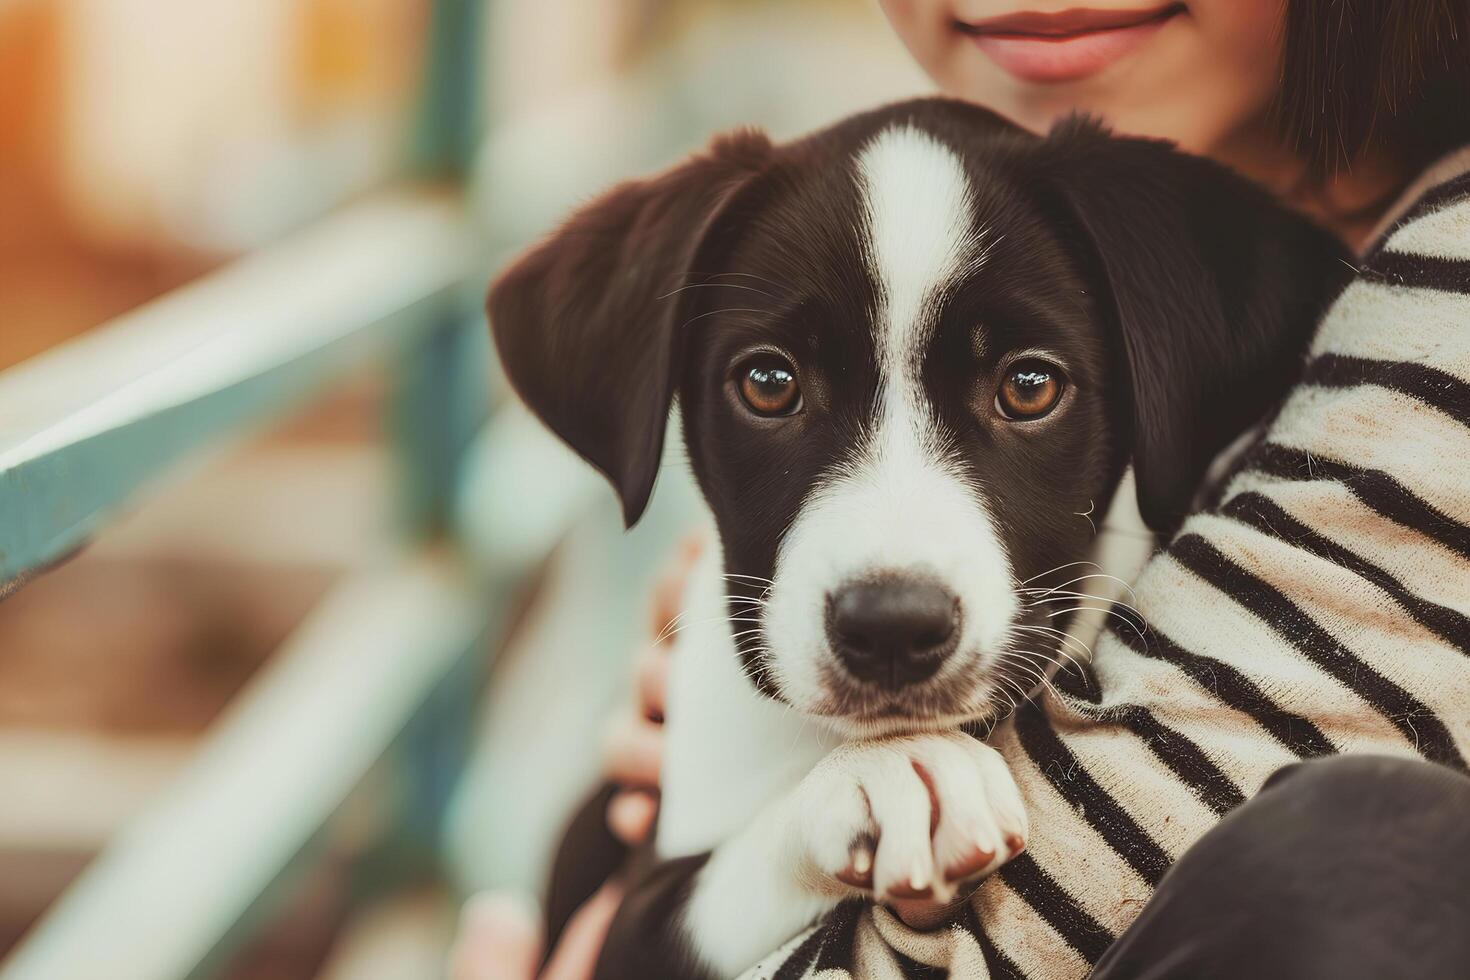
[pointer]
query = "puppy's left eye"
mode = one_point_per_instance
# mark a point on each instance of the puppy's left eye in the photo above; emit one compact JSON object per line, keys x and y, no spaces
{"x":1029,"y":390}
{"x":768,"y":386}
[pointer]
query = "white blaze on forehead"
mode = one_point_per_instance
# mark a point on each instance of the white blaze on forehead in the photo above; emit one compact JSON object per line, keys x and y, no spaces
{"x":900,"y":502}
{"x":920,"y":236}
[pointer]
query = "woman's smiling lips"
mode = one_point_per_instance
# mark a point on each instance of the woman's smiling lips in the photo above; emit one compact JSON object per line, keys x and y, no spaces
{"x":1065,"y":46}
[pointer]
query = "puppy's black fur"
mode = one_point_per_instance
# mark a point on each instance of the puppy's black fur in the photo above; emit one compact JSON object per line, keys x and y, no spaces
{"x":1177,"y":296}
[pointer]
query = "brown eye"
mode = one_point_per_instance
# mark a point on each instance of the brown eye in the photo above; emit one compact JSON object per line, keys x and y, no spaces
{"x":1029,"y":391}
{"x":768,"y":386}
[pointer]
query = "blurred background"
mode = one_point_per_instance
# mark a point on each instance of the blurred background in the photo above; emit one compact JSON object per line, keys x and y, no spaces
{"x":306,"y":632}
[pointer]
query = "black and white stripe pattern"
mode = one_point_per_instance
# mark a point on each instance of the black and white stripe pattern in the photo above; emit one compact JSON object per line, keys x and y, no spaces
{"x":1322,"y":605}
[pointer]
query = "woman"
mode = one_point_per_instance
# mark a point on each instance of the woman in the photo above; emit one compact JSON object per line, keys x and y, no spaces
{"x":1337,"y":107}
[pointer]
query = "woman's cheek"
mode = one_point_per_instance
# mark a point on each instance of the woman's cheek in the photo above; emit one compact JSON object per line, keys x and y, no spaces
{"x":1225,"y":75}
{"x":926,"y":28}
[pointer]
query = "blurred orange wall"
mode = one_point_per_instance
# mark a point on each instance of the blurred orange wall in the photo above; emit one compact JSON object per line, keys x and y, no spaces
{"x":142,"y":142}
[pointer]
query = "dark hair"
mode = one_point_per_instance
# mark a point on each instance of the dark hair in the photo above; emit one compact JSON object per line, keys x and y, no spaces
{"x":1378,"y":76}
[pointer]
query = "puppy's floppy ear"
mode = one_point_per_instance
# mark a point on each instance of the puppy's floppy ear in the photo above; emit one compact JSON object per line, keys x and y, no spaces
{"x":1213,"y":288}
{"x":587,"y":323}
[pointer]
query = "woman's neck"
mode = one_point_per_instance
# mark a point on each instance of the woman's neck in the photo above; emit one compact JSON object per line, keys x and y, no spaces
{"x":1349,"y":203}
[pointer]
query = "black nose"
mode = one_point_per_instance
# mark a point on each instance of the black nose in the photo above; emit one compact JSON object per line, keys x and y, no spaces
{"x":894,"y":630}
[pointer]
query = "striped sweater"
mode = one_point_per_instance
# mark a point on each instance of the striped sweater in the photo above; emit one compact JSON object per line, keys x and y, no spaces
{"x":1322,"y":605}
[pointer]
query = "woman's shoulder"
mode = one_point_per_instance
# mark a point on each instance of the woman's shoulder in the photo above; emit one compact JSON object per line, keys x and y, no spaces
{"x":1441,"y":191}
{"x":1408,"y":310}
{"x":1368,"y":453}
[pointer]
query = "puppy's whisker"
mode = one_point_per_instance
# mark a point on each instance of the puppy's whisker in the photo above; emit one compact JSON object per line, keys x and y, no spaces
{"x":1042,"y":628}
{"x":673,"y":629}
{"x":1051,"y":659}
{"x":1065,"y":636}
{"x":1037,"y":676}
{"x":1058,"y":664}
{"x":744,"y":275}
{"x":1015,"y":663}
{"x":1085,"y":597}
{"x":1056,"y":595}
{"x":725,"y":309}
{"x":1062,"y":651}
{"x":716,"y":285}
{"x":753,"y":578}
{"x":1126,"y":586}
{"x":1053,"y":571}
{"x":1061,"y":636}
{"x":1129,"y":621}
{"x":1076,"y":609}
{"x":1014,"y":694}
{"x":1106,"y":609}
{"x":1087,"y":514}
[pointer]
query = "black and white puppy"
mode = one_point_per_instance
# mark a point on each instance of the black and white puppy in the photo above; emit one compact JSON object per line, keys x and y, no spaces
{"x":913,"y":352}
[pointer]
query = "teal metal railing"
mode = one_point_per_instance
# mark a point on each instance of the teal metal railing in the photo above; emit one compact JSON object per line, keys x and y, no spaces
{"x":370,"y":702}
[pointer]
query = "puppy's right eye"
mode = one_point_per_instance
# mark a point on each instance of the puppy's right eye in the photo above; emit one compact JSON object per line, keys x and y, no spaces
{"x":768,"y":386}
{"x":1029,"y":390}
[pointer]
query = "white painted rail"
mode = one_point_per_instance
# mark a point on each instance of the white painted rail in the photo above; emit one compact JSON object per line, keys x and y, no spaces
{"x":86,"y":425}
{"x":274,"y":769}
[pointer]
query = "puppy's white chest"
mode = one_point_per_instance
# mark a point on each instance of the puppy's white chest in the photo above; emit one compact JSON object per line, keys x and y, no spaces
{"x":728,"y":750}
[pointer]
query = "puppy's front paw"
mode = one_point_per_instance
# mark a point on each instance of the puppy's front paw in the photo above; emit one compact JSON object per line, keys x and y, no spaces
{"x":913,"y":817}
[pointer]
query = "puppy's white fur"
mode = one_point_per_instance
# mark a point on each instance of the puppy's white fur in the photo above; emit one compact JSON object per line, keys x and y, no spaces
{"x":728,"y":750}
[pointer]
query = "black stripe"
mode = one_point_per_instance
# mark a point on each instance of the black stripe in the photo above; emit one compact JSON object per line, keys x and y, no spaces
{"x":1433,"y":199}
{"x":1265,"y":515}
{"x":1436,"y":197}
{"x":1419,"y":271}
{"x":1298,"y":734}
{"x":841,"y":937}
{"x":1431,"y":386}
{"x":1039,"y":890}
{"x":1405,"y":712}
{"x":997,"y":964}
{"x":1071,"y":779}
{"x":1183,"y":758}
{"x":914,"y":970}
{"x":1078,"y":683}
{"x":1375,"y":488}
{"x":796,"y":964}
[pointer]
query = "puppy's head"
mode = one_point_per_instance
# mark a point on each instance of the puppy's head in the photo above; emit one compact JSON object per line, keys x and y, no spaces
{"x":914,"y":352}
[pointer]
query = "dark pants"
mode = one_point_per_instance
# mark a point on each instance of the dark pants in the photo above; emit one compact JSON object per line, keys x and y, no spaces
{"x":1343,"y":868}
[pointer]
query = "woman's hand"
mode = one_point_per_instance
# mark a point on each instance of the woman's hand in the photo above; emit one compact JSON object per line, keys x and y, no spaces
{"x":635,"y":740}
{"x":498,"y":939}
